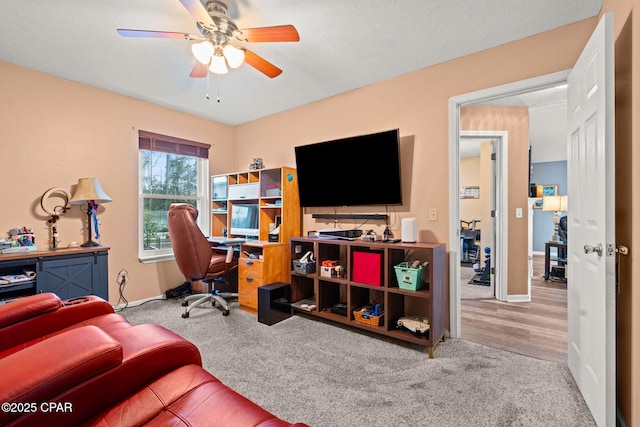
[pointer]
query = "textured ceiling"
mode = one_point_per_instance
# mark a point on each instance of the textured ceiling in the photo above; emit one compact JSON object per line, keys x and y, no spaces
{"x":344,"y":44}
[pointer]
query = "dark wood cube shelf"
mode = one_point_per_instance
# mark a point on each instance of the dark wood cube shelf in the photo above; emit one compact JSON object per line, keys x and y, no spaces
{"x":430,"y":301}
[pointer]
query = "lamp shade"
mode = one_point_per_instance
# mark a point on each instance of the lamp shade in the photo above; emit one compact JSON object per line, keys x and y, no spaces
{"x":218,"y":65}
{"x":235,"y":56}
{"x":89,"y":189}
{"x":203,"y":51}
{"x":554,"y":203}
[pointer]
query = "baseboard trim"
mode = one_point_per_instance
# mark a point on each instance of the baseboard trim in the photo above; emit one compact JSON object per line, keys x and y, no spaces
{"x":518,"y":298}
{"x":139,"y":302}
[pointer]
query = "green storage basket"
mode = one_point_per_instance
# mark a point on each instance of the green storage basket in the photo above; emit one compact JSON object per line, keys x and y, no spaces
{"x":409,"y":278}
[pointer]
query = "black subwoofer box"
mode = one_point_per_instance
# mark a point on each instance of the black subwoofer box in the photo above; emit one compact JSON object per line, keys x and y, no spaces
{"x":274,"y":303}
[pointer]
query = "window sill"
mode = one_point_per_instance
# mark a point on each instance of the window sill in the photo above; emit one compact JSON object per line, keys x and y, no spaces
{"x":149,"y":259}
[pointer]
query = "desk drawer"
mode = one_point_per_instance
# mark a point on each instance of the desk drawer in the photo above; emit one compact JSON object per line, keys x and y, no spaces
{"x":251,"y":267}
{"x":248,"y":291}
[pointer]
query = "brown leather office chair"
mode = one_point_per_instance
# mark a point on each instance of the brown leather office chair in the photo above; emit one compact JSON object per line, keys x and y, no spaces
{"x":199,"y":262}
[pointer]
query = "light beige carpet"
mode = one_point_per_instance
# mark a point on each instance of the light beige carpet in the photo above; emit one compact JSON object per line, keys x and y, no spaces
{"x":306,"y":370}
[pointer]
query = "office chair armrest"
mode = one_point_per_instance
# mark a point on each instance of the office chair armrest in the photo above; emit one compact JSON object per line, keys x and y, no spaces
{"x":229,"y":257}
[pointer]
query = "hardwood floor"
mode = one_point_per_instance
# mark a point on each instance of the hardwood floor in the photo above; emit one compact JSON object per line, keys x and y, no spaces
{"x":537,"y":328}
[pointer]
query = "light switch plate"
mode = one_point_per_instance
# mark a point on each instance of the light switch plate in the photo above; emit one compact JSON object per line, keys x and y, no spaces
{"x":518,"y":212}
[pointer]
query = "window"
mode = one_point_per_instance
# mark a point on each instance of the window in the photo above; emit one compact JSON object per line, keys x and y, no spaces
{"x":171,"y":170}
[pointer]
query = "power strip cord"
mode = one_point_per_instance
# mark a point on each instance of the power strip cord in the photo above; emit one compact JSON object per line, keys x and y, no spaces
{"x":122,"y":280}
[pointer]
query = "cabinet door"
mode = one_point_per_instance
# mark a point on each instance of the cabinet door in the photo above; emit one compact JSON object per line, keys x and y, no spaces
{"x":74,"y":276}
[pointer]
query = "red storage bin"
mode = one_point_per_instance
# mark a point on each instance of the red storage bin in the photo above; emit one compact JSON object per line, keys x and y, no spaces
{"x":367,"y":268}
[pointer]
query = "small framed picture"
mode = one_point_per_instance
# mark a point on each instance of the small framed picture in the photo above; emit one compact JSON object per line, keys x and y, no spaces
{"x":547,"y":190}
{"x":470,"y":192}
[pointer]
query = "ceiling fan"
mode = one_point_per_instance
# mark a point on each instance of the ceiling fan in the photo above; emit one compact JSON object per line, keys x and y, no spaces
{"x":216,"y":45}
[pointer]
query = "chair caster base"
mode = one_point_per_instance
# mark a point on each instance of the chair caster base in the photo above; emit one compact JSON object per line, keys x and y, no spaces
{"x":185,"y":315}
{"x":185,"y":303}
{"x":225,"y":313}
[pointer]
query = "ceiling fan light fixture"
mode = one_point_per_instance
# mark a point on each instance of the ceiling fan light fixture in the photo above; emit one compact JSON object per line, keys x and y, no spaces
{"x":234,"y":55}
{"x":218,"y":65}
{"x":203,"y":51}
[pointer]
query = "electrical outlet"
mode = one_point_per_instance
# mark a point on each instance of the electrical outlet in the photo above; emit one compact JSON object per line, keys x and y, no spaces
{"x":123,"y":277}
{"x":518,"y":212}
{"x":433,"y":214}
{"x":298,"y":249}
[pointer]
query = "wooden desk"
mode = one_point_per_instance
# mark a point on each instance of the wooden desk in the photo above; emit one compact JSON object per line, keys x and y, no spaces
{"x":562,"y":254}
{"x":67,"y":272}
{"x":260,"y":263}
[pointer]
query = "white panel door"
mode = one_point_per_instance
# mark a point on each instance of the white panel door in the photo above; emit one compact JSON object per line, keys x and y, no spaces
{"x":591,"y":224}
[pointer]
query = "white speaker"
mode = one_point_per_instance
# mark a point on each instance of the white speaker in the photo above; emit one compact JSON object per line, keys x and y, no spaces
{"x":409,"y":230}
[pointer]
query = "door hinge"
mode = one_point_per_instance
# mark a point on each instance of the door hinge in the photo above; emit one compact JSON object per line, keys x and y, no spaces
{"x":493,"y":270}
{"x":493,"y":214}
{"x":493,"y":156}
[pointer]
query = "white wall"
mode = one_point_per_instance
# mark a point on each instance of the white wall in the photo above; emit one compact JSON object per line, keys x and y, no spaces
{"x":548,"y":132}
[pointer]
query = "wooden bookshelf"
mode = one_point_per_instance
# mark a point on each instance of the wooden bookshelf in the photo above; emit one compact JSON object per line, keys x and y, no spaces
{"x":324,"y":292}
{"x":275,"y":190}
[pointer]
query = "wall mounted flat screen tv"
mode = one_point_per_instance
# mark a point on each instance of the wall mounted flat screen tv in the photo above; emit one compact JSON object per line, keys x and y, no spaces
{"x":354,"y":171}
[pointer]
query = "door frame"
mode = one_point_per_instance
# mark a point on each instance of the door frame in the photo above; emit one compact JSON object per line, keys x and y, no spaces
{"x":500,"y":257}
{"x":499,"y":245}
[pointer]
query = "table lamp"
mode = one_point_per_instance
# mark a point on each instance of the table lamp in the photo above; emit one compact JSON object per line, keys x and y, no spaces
{"x":555,"y":204}
{"x":89,"y":191}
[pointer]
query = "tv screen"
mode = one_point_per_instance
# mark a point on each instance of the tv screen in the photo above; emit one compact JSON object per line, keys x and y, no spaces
{"x":354,"y":171}
{"x":244,"y":219}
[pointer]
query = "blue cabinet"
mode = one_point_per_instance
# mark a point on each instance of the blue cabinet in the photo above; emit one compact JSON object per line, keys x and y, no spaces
{"x":74,"y":275}
{"x":68,"y":273}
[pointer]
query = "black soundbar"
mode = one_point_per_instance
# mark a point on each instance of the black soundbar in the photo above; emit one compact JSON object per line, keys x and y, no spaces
{"x":351,"y":216}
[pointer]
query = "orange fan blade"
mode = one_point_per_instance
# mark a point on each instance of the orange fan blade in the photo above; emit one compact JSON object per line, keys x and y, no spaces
{"x":279,"y":33}
{"x":261,"y":64}
{"x":199,"y":70}
{"x":155,"y":34}
{"x":199,"y":13}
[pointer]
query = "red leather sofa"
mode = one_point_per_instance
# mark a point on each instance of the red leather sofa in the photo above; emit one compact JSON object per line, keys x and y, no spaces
{"x":77,"y":362}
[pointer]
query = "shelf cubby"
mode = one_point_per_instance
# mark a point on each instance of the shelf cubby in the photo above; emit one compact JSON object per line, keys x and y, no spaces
{"x":330,"y":293}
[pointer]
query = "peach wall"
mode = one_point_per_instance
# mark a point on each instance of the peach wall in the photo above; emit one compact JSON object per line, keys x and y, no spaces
{"x":514,"y":120}
{"x":55,"y":131}
{"x":417,"y":104}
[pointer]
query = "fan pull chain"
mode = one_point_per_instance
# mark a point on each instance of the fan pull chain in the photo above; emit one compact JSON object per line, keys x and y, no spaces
{"x":218,"y":88}
{"x":208,"y":78}
{"x":208,"y":87}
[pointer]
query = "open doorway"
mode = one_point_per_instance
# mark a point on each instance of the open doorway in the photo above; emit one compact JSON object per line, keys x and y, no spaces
{"x":477,"y":222}
{"x":496,"y":96}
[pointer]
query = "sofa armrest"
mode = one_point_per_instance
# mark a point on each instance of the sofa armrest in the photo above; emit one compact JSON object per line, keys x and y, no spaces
{"x":36,"y":316}
{"x":28,"y":307}
{"x":148,"y":352}
{"x":50,"y":367}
